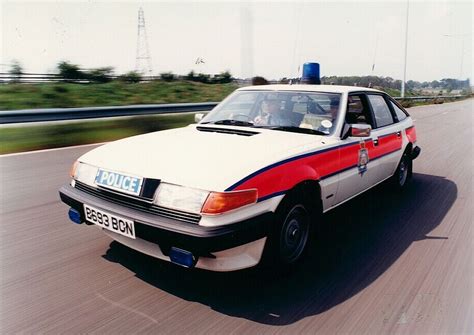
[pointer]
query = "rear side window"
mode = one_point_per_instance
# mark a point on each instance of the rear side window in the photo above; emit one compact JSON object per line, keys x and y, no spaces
{"x":383,"y":116}
{"x":400,"y":114}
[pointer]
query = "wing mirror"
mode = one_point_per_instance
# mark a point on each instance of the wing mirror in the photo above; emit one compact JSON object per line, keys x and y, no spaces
{"x":198,"y":117}
{"x":360,"y":130}
{"x":356,"y":130}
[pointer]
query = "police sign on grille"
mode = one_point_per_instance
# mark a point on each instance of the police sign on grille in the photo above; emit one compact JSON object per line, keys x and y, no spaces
{"x":119,"y":182}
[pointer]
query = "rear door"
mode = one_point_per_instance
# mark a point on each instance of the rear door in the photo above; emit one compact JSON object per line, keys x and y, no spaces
{"x":386,"y":137}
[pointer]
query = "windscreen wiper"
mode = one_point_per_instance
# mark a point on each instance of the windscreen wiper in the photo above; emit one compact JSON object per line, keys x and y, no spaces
{"x":230,"y":122}
{"x":295,"y":129}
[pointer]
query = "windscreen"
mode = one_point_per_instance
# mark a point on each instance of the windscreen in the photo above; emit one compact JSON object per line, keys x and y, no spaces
{"x":306,"y":112}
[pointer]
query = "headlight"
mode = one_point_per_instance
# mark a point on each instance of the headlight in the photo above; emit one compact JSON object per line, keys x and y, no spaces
{"x":85,"y":173}
{"x":73,"y":170}
{"x":180,"y":198}
{"x":200,"y":201}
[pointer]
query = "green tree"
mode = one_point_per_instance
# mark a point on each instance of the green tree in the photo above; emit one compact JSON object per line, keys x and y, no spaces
{"x":70,"y":71}
{"x":411,"y":84}
{"x":100,"y":75}
{"x":167,"y":76}
{"x":16,"y":70}
{"x":190,"y":76}
{"x":222,"y":78}
{"x":203,"y":78}
{"x":435,"y":84}
{"x":258,"y":80}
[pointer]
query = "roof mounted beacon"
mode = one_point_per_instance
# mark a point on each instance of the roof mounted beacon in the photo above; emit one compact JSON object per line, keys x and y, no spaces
{"x":311,"y":74}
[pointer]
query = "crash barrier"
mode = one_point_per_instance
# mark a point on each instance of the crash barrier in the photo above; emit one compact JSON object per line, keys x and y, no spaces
{"x":61,"y":114}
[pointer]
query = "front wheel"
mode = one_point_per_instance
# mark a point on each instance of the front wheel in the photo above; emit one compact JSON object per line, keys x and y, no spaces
{"x":289,"y":237}
{"x":294,"y":234}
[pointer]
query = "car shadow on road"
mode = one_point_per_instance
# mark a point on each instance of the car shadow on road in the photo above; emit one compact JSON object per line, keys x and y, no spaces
{"x":360,"y":240}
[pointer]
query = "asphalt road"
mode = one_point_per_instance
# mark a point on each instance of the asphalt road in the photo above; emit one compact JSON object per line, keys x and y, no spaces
{"x":386,"y":263}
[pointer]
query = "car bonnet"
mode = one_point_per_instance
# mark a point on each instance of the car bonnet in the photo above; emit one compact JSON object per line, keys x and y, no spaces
{"x":210,"y":158}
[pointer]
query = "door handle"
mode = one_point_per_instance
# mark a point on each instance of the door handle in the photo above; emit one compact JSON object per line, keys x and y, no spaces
{"x":376,"y":141}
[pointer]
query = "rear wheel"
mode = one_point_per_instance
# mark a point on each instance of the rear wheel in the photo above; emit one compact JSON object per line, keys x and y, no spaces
{"x":404,"y":172}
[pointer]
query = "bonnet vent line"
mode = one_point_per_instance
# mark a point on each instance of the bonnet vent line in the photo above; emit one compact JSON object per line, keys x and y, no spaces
{"x":227,"y":131}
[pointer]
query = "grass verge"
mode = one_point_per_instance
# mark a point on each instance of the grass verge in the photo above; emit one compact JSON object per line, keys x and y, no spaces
{"x":115,"y":93}
{"x":35,"y":137}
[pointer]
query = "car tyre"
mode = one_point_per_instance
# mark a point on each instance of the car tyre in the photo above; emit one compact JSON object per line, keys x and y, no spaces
{"x":289,"y":237}
{"x":404,"y":172}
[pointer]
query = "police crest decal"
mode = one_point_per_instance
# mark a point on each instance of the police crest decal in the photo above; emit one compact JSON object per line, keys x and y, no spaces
{"x":363,"y":158}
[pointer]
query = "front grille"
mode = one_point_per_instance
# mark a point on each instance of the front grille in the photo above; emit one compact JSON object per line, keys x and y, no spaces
{"x":138,"y":204}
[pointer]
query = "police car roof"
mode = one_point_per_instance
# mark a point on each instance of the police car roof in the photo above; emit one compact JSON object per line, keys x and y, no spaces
{"x":308,"y":87}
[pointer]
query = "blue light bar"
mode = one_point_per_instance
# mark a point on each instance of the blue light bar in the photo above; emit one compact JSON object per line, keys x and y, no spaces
{"x":182,"y":257}
{"x":75,"y":216}
{"x":311,"y":74}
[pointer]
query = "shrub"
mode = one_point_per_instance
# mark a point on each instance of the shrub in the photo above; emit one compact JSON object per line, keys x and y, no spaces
{"x":259,"y":81}
{"x":190,"y":76}
{"x":200,"y":77}
{"x":167,"y":76}
{"x":70,"y":71}
{"x":100,"y":75}
{"x":222,"y":78}
{"x":131,"y":77}
{"x":203,"y":78}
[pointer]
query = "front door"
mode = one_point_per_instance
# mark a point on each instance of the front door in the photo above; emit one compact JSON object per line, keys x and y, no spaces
{"x":356,"y":166}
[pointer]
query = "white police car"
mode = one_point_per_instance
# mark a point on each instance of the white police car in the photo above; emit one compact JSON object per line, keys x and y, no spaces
{"x":246,"y":183}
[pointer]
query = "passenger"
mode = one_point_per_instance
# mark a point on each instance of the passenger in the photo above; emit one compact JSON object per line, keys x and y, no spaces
{"x":328,"y":125}
{"x":334,"y":108}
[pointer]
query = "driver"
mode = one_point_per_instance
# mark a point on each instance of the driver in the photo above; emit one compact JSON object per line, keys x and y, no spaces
{"x":271,"y":114}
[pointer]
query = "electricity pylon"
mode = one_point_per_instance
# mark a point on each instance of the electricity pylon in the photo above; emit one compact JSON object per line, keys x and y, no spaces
{"x":143,"y":58}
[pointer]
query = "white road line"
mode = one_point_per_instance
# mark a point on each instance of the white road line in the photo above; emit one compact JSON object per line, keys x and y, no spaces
{"x":46,"y":150}
{"x":444,"y":113}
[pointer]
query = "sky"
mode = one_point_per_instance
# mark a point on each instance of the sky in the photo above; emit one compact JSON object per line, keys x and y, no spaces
{"x":266,"y":38}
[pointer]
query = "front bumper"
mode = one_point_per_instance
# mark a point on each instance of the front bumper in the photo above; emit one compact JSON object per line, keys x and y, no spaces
{"x":156,"y":235}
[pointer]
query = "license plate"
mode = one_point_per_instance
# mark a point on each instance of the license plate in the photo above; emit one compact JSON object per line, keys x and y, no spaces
{"x":119,"y":182}
{"x":110,"y":221}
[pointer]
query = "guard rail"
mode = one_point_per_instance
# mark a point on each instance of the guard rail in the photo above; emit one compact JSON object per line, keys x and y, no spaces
{"x":61,"y":114}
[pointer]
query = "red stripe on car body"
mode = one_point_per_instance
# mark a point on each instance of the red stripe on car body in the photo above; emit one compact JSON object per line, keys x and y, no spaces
{"x":278,"y":178}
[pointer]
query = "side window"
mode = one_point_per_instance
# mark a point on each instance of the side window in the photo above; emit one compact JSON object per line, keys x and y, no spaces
{"x":400,"y":114}
{"x":357,"y":110}
{"x":383,"y":116}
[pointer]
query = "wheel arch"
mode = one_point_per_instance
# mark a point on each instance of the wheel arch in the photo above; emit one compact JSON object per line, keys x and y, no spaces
{"x":308,"y":191}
